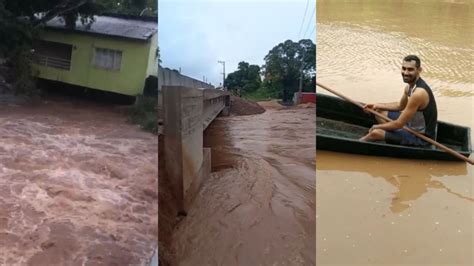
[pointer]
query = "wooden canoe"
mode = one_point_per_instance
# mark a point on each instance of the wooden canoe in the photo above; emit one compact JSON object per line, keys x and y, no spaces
{"x":339,"y":125}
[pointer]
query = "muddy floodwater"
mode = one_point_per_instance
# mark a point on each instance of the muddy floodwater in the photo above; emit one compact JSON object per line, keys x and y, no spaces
{"x":385,"y":211}
{"x":258,"y":205}
{"x":78,"y":186}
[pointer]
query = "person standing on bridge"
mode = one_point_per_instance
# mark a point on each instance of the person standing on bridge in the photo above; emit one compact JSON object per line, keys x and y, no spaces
{"x":416,"y":109}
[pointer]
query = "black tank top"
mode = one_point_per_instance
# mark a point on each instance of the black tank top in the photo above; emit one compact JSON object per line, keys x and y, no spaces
{"x":430,"y":112}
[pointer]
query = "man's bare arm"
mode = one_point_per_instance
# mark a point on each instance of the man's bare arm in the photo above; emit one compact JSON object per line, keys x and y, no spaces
{"x":395,"y":106}
{"x":409,"y":111}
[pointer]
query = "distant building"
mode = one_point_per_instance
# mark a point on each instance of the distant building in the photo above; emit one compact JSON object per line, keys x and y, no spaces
{"x":115,"y":53}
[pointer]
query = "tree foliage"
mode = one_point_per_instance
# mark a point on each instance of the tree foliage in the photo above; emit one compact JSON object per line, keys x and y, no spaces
{"x":14,"y":32}
{"x":245,"y":79}
{"x":284,"y":65}
{"x":31,"y":7}
{"x":131,"y":7}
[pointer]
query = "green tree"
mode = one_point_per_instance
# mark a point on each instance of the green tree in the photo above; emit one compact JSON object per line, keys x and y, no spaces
{"x":245,"y":79}
{"x":285,"y":64}
{"x":18,"y":24}
{"x":18,"y":19}
{"x":131,"y":7}
{"x":71,"y":10}
{"x":49,"y":9}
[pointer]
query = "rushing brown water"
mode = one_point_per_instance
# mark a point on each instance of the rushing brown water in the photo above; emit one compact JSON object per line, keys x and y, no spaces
{"x":372,"y":210}
{"x":258,"y":205}
{"x":78,"y":186}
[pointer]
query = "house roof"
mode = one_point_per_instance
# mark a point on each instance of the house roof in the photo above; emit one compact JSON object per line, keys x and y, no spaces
{"x":124,"y":27}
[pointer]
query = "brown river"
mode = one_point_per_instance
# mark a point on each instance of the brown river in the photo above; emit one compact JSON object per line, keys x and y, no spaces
{"x":384,"y":211}
{"x":78,"y":186}
{"x":258,"y":205}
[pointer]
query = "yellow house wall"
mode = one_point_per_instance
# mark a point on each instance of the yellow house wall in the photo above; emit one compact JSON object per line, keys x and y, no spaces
{"x":152,"y":58}
{"x":129,"y":80}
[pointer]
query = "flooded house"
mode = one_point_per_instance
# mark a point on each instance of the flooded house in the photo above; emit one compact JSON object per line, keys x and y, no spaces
{"x":115,"y":53}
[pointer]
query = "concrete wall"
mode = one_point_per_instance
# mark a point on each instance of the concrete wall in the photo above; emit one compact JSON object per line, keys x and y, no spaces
{"x":168,"y":77}
{"x":183,"y":137}
{"x":152,"y":69}
{"x":187,"y":112}
{"x":214,"y":102}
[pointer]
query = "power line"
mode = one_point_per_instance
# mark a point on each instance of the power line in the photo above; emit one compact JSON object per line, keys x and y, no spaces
{"x":310,"y":34}
{"x":304,"y":17}
{"x":309,"y":22}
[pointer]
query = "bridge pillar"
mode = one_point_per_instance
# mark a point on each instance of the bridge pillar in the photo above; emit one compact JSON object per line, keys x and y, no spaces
{"x":186,"y":161}
{"x":226,"y":110}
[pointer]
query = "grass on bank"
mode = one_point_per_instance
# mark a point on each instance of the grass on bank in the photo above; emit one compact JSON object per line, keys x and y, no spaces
{"x":259,"y":95}
{"x":145,"y":113}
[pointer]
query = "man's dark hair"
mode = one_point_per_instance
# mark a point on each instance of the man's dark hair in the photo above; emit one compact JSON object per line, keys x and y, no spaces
{"x":415,"y":58}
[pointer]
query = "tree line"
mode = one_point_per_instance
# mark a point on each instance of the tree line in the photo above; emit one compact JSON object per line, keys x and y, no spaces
{"x":285,"y":64}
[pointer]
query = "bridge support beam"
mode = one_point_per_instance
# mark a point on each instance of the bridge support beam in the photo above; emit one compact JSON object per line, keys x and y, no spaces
{"x":187,"y":163}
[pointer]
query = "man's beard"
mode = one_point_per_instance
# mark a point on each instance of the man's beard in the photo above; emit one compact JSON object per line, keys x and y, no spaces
{"x":408,"y":79}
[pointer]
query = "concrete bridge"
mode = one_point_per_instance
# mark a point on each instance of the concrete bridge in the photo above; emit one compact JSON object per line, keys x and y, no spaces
{"x":187,"y":112}
{"x":170,"y":77}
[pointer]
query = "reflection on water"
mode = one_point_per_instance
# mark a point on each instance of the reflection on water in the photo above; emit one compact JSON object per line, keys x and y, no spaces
{"x":410,"y":183}
{"x":360,"y":48}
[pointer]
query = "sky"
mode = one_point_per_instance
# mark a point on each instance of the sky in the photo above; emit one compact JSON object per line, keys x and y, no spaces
{"x":194,"y":34}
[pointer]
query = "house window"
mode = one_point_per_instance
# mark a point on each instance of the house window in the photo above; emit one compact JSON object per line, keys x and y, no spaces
{"x":107,"y":58}
{"x":53,"y":54}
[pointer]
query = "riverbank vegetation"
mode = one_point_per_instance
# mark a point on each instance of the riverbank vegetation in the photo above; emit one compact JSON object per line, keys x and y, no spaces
{"x":279,"y":78}
{"x":145,"y":113}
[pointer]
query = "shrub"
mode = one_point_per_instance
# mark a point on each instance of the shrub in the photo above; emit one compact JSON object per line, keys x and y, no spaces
{"x":144,"y":113}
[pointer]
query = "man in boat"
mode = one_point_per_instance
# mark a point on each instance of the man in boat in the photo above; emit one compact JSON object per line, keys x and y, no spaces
{"x":416,"y":109}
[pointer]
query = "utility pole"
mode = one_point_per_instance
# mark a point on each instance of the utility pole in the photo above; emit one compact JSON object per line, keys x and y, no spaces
{"x":300,"y":89}
{"x":223,"y":73}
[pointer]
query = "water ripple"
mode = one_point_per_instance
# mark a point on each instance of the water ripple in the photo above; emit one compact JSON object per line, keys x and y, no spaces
{"x":360,"y":53}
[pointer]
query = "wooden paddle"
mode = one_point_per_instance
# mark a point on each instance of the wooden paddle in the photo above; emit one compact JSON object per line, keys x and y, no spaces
{"x":421,"y":136}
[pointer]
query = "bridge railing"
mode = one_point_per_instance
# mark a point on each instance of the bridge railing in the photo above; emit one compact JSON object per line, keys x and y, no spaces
{"x":215,"y":102}
{"x":170,"y":77}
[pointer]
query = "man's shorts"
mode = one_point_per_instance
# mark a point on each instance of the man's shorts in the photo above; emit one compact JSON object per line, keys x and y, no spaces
{"x":401,"y":136}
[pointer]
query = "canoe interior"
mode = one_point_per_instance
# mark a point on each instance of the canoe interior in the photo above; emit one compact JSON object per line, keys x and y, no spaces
{"x":338,"y":119}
